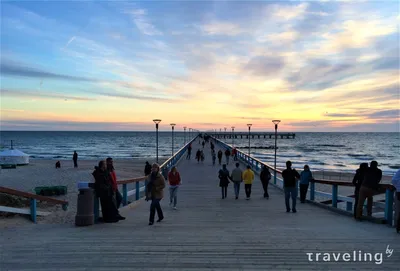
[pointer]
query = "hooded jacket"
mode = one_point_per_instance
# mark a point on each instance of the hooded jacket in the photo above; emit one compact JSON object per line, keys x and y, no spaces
{"x":305,"y":177}
{"x":372,"y":177}
{"x":155,"y":186}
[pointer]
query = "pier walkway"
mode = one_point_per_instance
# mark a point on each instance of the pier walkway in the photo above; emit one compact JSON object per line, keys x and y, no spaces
{"x":205,"y":233}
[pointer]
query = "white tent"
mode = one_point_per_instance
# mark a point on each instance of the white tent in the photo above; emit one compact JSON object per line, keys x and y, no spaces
{"x":13,"y":157}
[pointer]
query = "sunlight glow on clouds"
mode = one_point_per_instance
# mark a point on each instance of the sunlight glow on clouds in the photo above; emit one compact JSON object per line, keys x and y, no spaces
{"x":317,"y":65}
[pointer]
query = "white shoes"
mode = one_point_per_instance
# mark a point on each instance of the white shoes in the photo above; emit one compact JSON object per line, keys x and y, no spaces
{"x":175,"y":208}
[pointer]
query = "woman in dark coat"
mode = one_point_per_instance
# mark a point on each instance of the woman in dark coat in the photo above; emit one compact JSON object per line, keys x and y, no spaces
{"x":103,"y":188}
{"x":224,"y":177}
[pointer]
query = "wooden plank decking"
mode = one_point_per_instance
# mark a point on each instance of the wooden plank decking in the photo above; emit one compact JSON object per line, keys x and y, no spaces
{"x":205,"y":233}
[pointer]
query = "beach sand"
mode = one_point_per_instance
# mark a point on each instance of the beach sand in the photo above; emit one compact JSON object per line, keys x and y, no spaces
{"x":44,"y":173}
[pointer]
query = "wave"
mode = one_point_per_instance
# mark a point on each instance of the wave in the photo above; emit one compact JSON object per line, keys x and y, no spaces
{"x":394,"y":166}
{"x":330,"y":145}
{"x":339,"y":165}
{"x":316,"y":162}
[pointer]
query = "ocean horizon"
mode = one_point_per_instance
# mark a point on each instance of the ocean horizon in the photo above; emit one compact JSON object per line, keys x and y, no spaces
{"x":331,"y":151}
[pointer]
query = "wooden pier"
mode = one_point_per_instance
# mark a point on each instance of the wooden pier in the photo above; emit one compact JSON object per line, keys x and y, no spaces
{"x":252,"y":135}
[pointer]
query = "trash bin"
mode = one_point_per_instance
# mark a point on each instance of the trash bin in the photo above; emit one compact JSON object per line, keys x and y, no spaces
{"x":84,"y":213}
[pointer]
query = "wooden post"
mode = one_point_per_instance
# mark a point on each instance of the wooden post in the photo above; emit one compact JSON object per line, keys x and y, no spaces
{"x":312,"y":191}
{"x":349,"y":206}
{"x":389,"y":206}
{"x":334,"y":195}
{"x":96,"y":208}
{"x":124,"y":194}
{"x":137,"y":191}
{"x":33,"y":210}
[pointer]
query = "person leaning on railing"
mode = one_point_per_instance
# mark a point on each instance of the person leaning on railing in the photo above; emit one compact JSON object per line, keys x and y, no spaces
{"x":396,"y":184}
{"x":369,"y":188}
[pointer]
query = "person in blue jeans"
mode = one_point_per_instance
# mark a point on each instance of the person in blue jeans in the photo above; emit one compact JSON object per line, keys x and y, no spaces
{"x":305,"y":179}
{"x":290,"y":177}
{"x":237,"y":179}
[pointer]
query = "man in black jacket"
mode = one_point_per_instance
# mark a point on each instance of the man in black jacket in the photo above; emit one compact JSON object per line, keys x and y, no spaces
{"x":147,"y":169}
{"x":357,"y":181}
{"x":290,"y":177}
{"x":369,"y":187}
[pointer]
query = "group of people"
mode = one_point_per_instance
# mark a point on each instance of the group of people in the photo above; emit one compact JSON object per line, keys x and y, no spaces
{"x":238,"y":176}
{"x":106,"y":189}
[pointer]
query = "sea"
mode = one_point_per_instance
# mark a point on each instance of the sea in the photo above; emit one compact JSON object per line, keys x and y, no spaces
{"x":340,"y":152}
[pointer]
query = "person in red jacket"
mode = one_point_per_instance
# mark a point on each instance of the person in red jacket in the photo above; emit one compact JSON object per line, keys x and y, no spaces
{"x":117,"y":195}
{"x":174,"y":180}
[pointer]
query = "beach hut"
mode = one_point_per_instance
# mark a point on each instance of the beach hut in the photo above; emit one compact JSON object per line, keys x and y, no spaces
{"x":13,"y":157}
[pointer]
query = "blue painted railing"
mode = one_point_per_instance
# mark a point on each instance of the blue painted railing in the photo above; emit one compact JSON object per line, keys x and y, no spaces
{"x":164,"y":167}
{"x":257,"y":165}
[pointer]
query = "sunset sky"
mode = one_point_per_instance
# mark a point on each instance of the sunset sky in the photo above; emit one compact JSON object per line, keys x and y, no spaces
{"x":317,"y":66}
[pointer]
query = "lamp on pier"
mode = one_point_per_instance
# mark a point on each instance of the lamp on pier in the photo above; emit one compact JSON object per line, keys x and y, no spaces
{"x":184,"y":135}
{"x":249,"y":125}
{"x":157,"y":121}
{"x":172,"y":126}
{"x":233,"y":133}
{"x":276,"y":122}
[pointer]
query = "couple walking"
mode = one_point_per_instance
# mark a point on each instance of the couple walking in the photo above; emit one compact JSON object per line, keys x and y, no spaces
{"x":155,"y":184}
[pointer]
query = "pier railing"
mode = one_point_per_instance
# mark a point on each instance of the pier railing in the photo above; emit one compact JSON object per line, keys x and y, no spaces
{"x":164,"y":167}
{"x":33,"y":200}
{"x":335,"y":198}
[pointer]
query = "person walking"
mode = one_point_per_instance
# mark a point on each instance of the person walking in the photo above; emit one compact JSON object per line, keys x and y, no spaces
{"x":219,"y":157}
{"x":75,"y":159}
{"x":155,"y":192}
{"x":213,"y":156}
{"x":198,"y":155}
{"x":113,"y":177}
{"x":357,"y":181}
{"x":396,"y":184}
{"x":103,"y":189}
{"x":237,"y":178}
{"x":147,"y":169}
{"x":202,"y":156}
{"x":248,"y":178}
{"x":224,"y":177}
{"x":305,"y":179}
{"x":368,"y":189}
{"x":174,"y":179}
{"x":265,"y":177}
{"x":189,"y":152}
{"x":227,"y":154}
{"x":290,"y":177}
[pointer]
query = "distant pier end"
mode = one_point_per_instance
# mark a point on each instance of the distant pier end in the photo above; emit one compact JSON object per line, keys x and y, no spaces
{"x":252,"y":135}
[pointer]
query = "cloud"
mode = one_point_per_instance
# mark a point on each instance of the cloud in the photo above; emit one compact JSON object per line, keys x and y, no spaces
{"x":69,"y":42}
{"x":14,"y":69}
{"x":143,"y":23}
{"x":264,"y":65}
{"x":221,"y":28}
{"x":287,"y":12}
{"x":125,"y":95}
{"x":41,"y":94}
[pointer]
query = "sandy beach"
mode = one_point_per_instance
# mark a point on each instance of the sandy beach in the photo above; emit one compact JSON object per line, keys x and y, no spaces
{"x":44,"y":173}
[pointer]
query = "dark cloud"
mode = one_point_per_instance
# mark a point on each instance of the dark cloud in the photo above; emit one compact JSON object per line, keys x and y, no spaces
{"x":14,"y":69}
{"x":41,"y":94}
{"x":391,"y":113}
{"x":49,"y":125}
{"x":320,"y":74}
{"x":264,"y":65}
{"x":132,"y":96}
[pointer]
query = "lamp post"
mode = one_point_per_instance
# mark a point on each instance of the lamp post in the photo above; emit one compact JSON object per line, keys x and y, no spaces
{"x":157,"y":121}
{"x":249,"y":125}
{"x":276,"y":122}
{"x":172,"y":126}
{"x":233,"y":133}
{"x":184,"y":135}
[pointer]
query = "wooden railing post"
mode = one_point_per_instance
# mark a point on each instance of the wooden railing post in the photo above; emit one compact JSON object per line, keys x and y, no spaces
{"x":312,"y":191}
{"x":96,"y":208}
{"x":33,"y":210}
{"x":389,"y":206}
{"x":349,"y":206}
{"x":137,"y":191}
{"x":124,"y":194}
{"x":334,"y":195}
